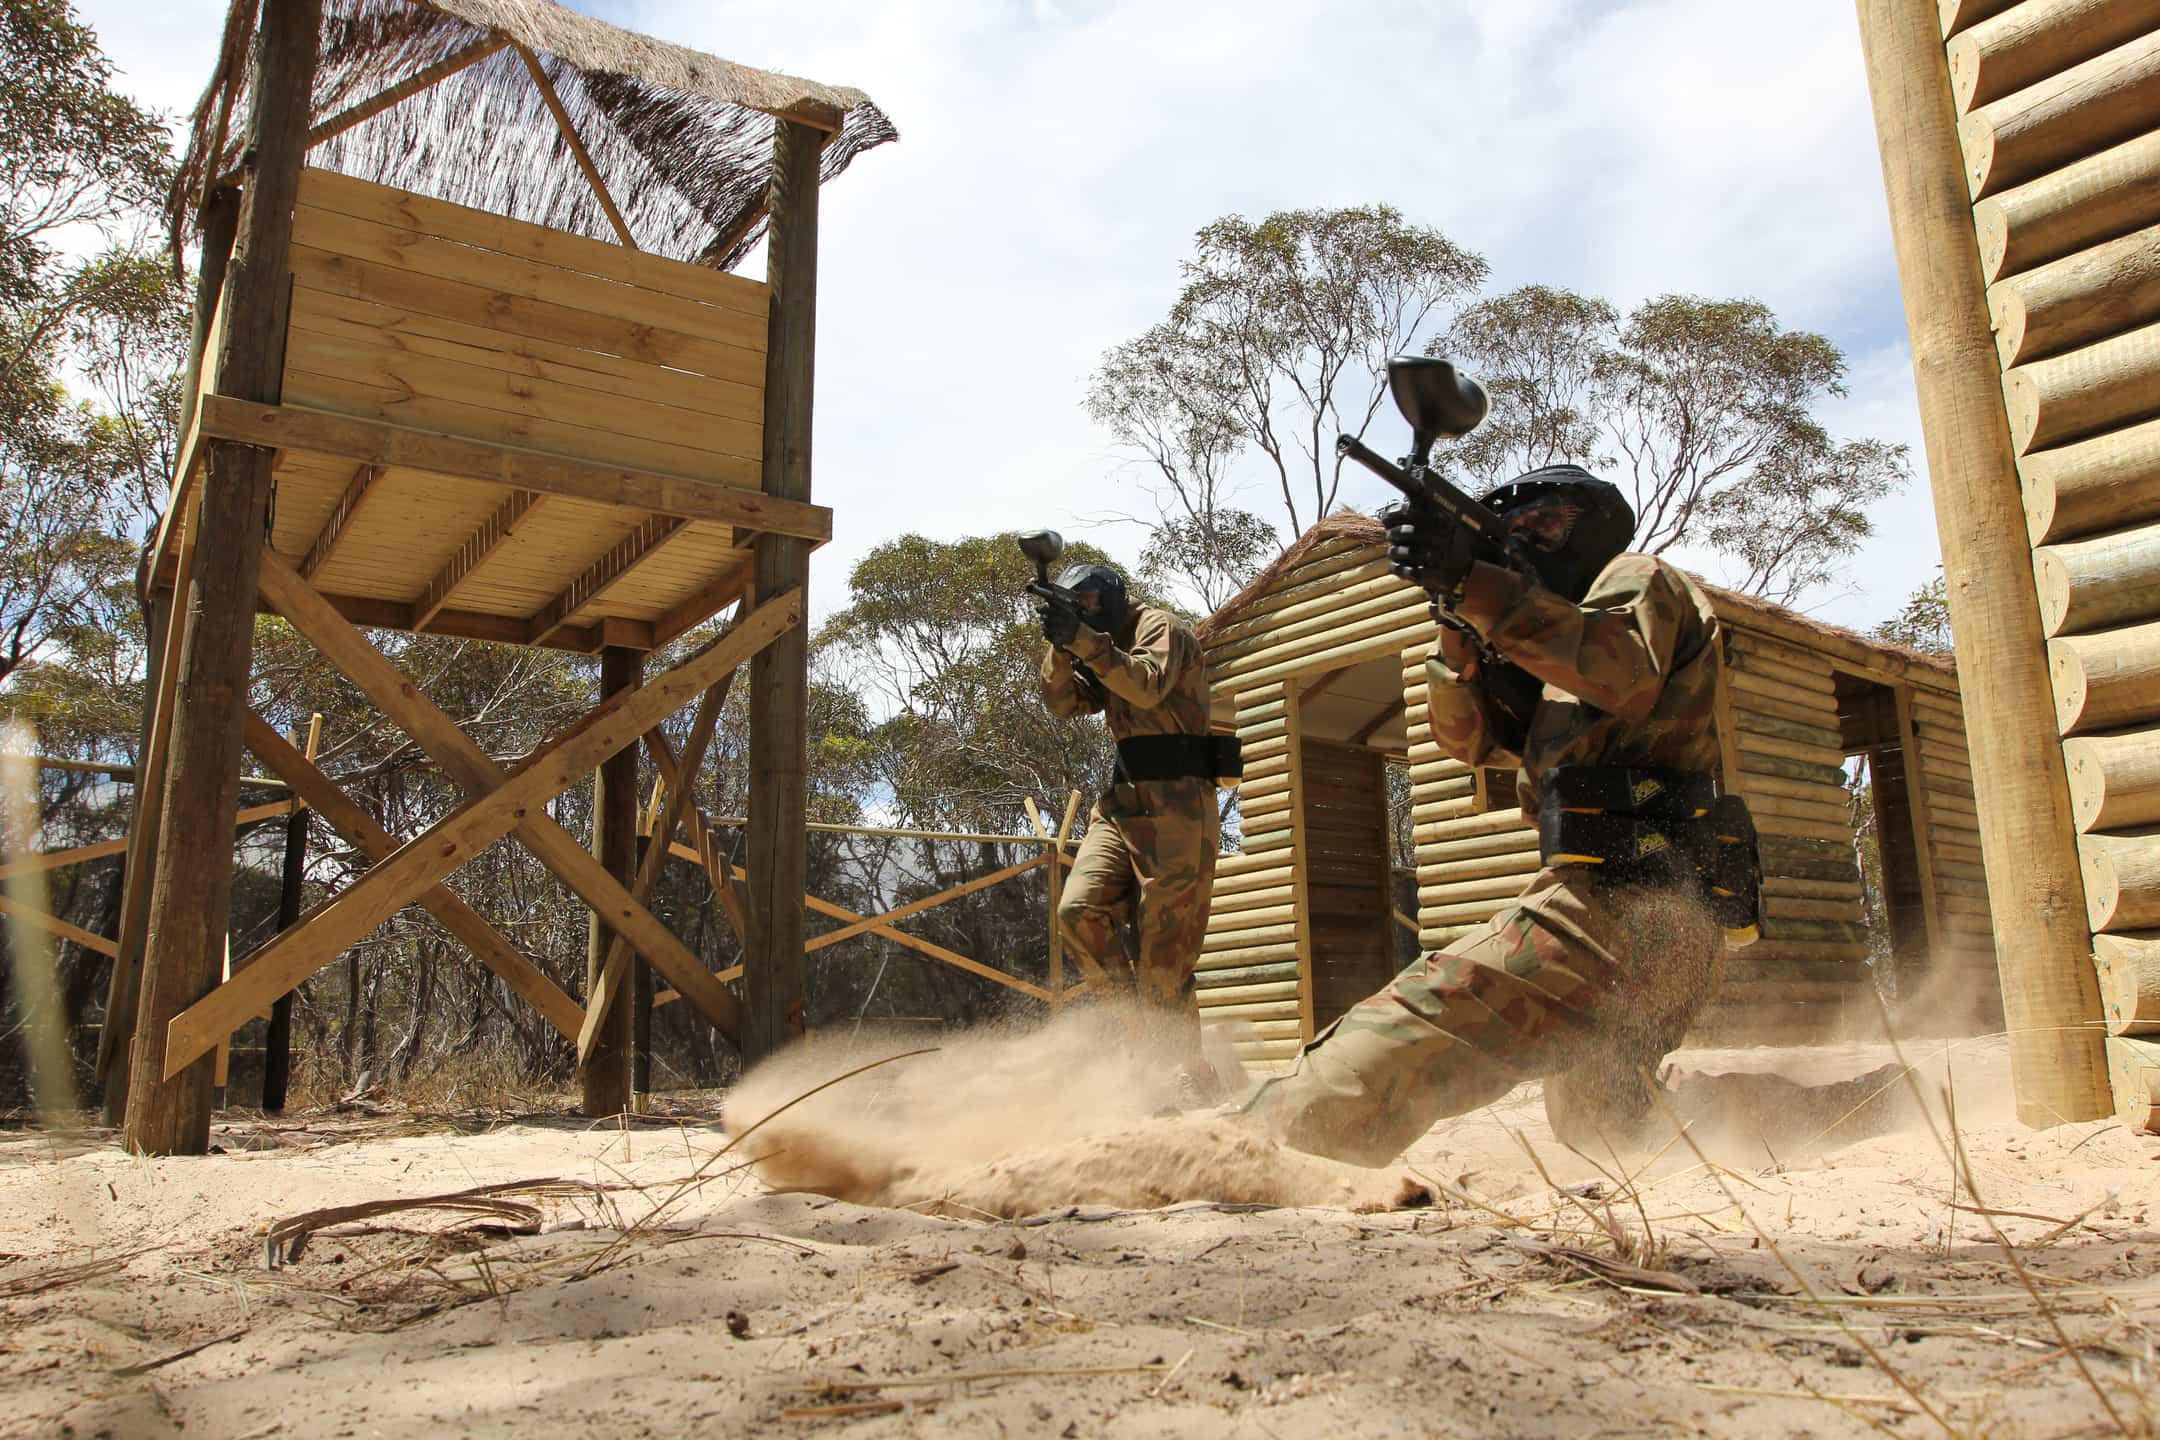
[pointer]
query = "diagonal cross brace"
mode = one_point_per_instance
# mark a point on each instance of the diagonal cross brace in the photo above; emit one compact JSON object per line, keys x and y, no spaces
{"x":454,"y":840}
{"x":473,"y":771}
{"x":608,"y":983}
{"x":346,"y":817}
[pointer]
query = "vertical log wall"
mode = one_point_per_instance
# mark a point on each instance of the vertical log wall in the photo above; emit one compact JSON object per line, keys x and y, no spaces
{"x":2056,"y":149}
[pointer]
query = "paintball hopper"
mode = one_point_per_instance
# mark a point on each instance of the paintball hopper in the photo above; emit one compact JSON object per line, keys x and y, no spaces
{"x":1439,"y":401}
{"x":1044,"y":547}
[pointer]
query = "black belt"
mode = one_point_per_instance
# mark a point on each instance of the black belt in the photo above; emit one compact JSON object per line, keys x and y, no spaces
{"x":1655,"y":827}
{"x":1143,"y":758}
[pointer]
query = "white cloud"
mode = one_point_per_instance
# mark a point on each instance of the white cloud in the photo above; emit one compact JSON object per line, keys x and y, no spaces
{"x":1056,"y":158}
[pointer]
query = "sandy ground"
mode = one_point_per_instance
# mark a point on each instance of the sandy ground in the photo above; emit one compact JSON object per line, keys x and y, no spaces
{"x":1786,"y":1288}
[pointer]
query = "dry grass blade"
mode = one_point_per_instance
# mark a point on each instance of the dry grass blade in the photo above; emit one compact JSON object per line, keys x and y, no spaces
{"x":130,"y":1371}
{"x":1859,"y":1341}
{"x":54,"y":1277}
{"x":969,"y":1377}
{"x":702,"y":1175}
{"x":285,"y":1240}
{"x":1620,"y":1272}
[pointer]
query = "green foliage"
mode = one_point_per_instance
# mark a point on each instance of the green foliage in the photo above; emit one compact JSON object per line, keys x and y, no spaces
{"x":942,"y":640}
{"x":1924,"y":622}
{"x":1276,"y":343}
{"x":75,"y":475}
{"x":1701,"y":409}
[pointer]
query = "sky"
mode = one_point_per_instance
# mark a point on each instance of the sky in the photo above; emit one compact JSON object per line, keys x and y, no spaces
{"x":1055,"y":160}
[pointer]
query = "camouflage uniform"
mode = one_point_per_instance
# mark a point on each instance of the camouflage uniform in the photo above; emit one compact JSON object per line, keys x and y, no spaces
{"x":1585,"y":982}
{"x":1147,"y":863}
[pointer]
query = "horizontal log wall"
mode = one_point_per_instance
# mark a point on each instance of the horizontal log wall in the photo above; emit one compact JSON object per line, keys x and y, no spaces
{"x":1251,"y":967}
{"x":2060,"y":104}
{"x":1337,"y":606}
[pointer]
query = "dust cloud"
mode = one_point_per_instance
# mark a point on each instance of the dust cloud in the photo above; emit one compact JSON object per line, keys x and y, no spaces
{"x":1024,"y":1118}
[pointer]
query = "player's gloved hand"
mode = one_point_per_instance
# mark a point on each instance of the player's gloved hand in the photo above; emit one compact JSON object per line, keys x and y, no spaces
{"x":1428,"y":551}
{"x":1060,"y":624}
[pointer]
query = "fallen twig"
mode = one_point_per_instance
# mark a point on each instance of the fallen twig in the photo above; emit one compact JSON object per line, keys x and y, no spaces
{"x":162,"y":1361}
{"x":1604,"y":1267}
{"x":969,"y":1377}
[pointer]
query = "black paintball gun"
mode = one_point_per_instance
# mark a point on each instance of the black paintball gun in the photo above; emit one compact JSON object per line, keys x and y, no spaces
{"x":1442,"y":403}
{"x":1045,"y":548}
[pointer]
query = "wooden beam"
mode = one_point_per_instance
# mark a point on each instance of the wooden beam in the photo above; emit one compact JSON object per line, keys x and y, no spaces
{"x":898,"y":936}
{"x":701,"y":605}
{"x":405,"y":89}
{"x":380,"y":614}
{"x":2051,"y":996}
{"x":577,"y":147}
{"x":478,"y":775}
{"x":775,"y":846}
{"x":604,"y":1039}
{"x":927,"y":902}
{"x":476,"y":548}
{"x":707,"y":853}
{"x":58,"y":928}
{"x":400,"y":447}
{"x":470,"y":829}
{"x":1380,"y":722}
{"x":168,"y":1108}
{"x":339,"y":525}
{"x":481,"y":939}
{"x":603,"y":575}
{"x":56,"y":859}
{"x":1916,"y":804}
{"x":605,"y":981}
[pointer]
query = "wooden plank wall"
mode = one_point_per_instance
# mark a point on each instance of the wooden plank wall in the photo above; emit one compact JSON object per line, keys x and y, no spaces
{"x":1336,"y":606}
{"x":2059,"y":107}
{"x":1251,"y":967}
{"x":440,"y":317}
{"x":1349,"y":901}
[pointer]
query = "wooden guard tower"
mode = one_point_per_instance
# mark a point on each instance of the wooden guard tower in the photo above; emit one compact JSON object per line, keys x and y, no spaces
{"x":474,"y":367}
{"x":2021,"y":155}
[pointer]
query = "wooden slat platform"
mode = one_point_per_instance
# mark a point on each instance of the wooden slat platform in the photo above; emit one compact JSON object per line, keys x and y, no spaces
{"x":495,"y":430}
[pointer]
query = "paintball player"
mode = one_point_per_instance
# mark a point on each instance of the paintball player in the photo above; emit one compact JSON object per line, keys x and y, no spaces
{"x":1596,"y":970}
{"x":1135,"y":907}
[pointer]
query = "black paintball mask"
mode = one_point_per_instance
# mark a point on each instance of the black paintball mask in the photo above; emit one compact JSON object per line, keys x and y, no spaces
{"x":1568,"y":524}
{"x":1103,"y":605}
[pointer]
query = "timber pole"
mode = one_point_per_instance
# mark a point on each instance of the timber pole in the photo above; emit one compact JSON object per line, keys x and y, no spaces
{"x":641,"y":998}
{"x":606,"y":1076}
{"x":775,"y":846}
{"x":2043,"y":948}
{"x":190,"y":897}
{"x":218,"y":221}
{"x":277,"y":1040}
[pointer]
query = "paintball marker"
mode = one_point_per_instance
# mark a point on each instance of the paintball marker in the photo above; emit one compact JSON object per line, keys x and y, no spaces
{"x":1441,"y":403}
{"x":1045,"y":548}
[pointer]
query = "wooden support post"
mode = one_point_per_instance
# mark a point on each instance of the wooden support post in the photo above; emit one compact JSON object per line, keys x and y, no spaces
{"x":1057,"y":897}
{"x":2051,"y":996}
{"x":775,"y":851}
{"x":641,"y":1006}
{"x":605,"y":1076}
{"x":277,"y":1040}
{"x":191,"y":882}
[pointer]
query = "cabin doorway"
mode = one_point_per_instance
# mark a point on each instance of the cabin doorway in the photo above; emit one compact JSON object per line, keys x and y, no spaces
{"x":1352,"y":734}
{"x":1885,"y":839}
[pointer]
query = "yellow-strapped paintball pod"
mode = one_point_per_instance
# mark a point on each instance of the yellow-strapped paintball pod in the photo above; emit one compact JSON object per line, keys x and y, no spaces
{"x":1656,"y":827}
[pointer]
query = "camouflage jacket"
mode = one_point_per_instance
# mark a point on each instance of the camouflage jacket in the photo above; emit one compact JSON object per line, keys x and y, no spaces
{"x":1630,"y":674}
{"x":1156,"y":686}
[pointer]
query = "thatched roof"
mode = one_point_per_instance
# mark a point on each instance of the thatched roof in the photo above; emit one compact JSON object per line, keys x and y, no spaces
{"x":682,"y":139}
{"x":1731,"y":604}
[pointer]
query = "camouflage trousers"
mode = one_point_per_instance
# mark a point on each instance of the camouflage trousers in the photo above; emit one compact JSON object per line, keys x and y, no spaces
{"x":1584,"y":986}
{"x":1135,"y":907}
